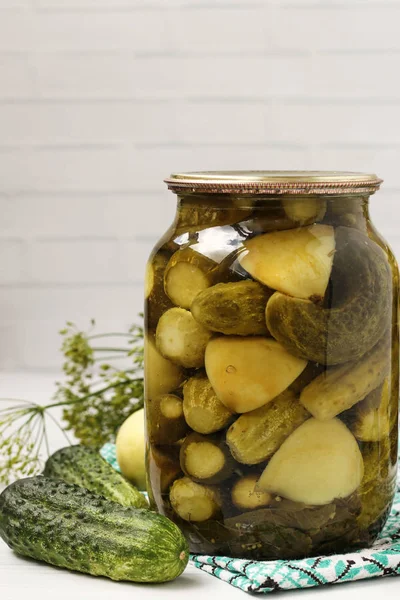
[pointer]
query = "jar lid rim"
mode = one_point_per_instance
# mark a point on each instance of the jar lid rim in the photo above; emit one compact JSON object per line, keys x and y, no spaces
{"x":274,"y":182}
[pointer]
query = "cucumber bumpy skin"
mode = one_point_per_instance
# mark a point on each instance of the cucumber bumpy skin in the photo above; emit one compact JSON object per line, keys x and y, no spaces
{"x":235,"y":308}
{"x":85,"y":467}
{"x":256,"y":435}
{"x":362,"y":298}
{"x":203,"y":410}
{"x":68,"y":526}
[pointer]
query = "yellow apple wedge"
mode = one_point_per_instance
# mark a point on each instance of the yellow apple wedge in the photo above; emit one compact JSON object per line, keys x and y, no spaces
{"x":318,"y":462}
{"x":246,"y":373}
{"x":297,"y":262}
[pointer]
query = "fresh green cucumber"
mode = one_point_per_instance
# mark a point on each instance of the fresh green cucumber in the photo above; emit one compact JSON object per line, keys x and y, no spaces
{"x":85,"y":467}
{"x":68,"y":526}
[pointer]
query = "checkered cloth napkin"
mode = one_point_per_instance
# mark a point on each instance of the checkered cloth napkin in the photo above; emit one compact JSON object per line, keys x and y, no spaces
{"x":381,"y":560}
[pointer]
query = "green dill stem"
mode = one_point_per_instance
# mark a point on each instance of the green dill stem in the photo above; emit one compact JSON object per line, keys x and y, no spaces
{"x":39,"y":433}
{"x":59,"y":427}
{"x":117,"y":369}
{"x":37,"y":410}
{"x":92,"y":394}
{"x":13,"y":418}
{"x":105,"y":349}
{"x":103,"y":358}
{"x":16,"y":400}
{"x":13,"y":410}
{"x":102,"y":335}
{"x":46,"y":439}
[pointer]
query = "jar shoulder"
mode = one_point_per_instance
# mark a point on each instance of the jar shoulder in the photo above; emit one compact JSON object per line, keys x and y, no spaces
{"x":379,"y":238}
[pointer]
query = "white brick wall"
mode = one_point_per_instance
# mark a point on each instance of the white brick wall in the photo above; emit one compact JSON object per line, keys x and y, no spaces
{"x":101,"y":99}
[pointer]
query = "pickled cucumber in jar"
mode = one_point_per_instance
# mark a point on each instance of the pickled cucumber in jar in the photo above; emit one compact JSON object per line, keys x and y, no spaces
{"x":204,"y":412}
{"x":206,"y":459}
{"x":156,"y":300}
{"x":186,"y":274}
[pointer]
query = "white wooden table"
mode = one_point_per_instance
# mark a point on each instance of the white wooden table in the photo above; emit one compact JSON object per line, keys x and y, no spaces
{"x":24,"y":579}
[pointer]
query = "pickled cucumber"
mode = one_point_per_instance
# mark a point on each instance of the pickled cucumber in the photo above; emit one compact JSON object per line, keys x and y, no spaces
{"x":297,"y":262}
{"x":194,"y":502}
{"x":181,"y":339}
{"x":161,"y":375}
{"x":370,"y":421}
{"x":378,"y":484}
{"x":361,"y":306}
{"x":318,"y":462}
{"x":245,"y":497}
{"x":157,"y":302}
{"x":262,"y":221}
{"x":339,"y":388}
{"x":348,"y":211}
{"x":236,"y":308}
{"x":246,"y":373}
{"x":304,"y":210}
{"x":311,"y":371}
{"x":203,"y":411}
{"x":166,"y":422}
{"x":187,"y":274}
{"x":164,"y":466}
{"x":206,"y":459}
{"x":204,"y":213}
{"x":256,"y":435}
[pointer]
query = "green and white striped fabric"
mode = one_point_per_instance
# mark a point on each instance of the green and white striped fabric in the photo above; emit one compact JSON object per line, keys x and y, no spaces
{"x":381,"y":560}
{"x":108,"y":451}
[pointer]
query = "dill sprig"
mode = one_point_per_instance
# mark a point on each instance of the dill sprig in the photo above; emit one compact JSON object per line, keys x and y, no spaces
{"x":96,"y":396}
{"x":22,"y":435}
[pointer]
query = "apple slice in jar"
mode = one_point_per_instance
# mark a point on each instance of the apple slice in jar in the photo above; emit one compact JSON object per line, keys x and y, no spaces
{"x":246,"y":373}
{"x":318,"y":462}
{"x":297,"y":262}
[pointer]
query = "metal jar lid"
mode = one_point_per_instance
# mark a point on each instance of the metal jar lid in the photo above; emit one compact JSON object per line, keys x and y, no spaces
{"x":274,"y":182}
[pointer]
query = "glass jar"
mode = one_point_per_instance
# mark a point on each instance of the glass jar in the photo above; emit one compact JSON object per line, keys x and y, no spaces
{"x":271,"y":364}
